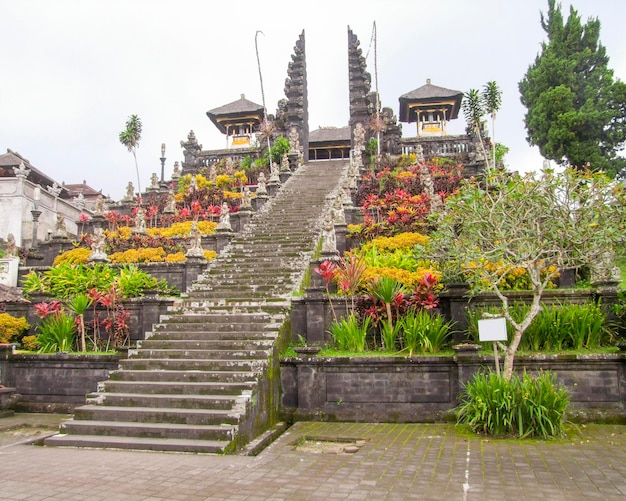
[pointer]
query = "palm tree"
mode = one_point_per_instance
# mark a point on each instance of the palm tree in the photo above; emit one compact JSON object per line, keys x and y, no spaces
{"x":492,"y":99}
{"x":474,"y":111}
{"x":130,"y":138}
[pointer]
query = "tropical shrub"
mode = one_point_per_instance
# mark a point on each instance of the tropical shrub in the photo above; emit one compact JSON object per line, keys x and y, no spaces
{"x":79,"y":255}
{"x":556,"y":327}
{"x":424,"y":331}
{"x":12,"y":327}
{"x":350,"y":333}
{"x":57,"y":329}
{"x":526,"y":406}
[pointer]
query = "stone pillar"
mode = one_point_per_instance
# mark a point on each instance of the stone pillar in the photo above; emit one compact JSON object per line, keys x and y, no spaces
{"x":223,"y":238}
{"x":259,"y":201}
{"x":340,"y":234}
{"x":273,"y":187}
{"x":243,"y":219}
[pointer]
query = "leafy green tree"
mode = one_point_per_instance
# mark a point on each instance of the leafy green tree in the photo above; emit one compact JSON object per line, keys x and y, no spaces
{"x":541,"y":223}
{"x":130,"y":138}
{"x":576,"y":111}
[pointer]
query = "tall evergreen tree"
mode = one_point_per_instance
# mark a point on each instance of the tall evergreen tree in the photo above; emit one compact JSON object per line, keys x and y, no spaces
{"x":576,"y":110}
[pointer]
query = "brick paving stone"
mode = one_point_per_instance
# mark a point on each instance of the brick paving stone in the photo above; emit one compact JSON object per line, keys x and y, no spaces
{"x":397,"y":462}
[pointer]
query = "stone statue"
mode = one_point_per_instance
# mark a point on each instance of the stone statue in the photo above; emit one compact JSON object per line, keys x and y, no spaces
{"x":191,"y":149}
{"x":274,"y":170}
{"x":229,"y":168}
{"x":246,"y":200}
{"x":329,"y":239}
{"x":195,"y":242}
{"x":79,"y":201}
{"x":176,"y":173}
{"x":224,"y":223}
{"x":261,"y":188}
{"x":339,"y":216}
{"x":154,"y":181}
{"x":130,"y":191}
{"x":99,"y":206}
{"x":170,"y":205}
{"x":294,"y":140}
{"x":359,"y":138}
{"x":11,"y":248}
{"x":140,"y":221}
{"x":193,"y":183}
{"x":60,"y":228}
{"x":284,"y":163}
{"x":97,"y":246}
{"x":213,"y":174}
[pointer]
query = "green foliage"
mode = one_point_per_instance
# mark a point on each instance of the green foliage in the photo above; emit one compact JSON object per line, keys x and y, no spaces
{"x":424,"y":331}
{"x":576,"y":111}
{"x":56,"y":333}
{"x":350,"y":333}
{"x":12,"y":327}
{"x":389,"y":333}
{"x":556,"y":327}
{"x":530,"y":406}
{"x":67,"y":281}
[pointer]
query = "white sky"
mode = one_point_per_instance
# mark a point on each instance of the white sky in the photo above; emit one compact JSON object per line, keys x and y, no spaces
{"x":74,"y":70}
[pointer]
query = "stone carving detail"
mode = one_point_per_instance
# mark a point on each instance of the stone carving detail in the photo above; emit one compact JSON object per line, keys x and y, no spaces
{"x":176,"y":173}
{"x":170,"y":205}
{"x":99,"y":206}
{"x":195,"y":242}
{"x":21,"y":171}
{"x":329,"y":239}
{"x":191,"y":150}
{"x":55,"y":189}
{"x":224,"y":223}
{"x":97,"y":246}
{"x":154,"y":181}
{"x":11,"y":247}
{"x":362,"y":107}
{"x":274,"y":174}
{"x":246,"y":199}
{"x":294,"y":114}
{"x":79,"y":201}
{"x":339,"y":216}
{"x":140,"y":221}
{"x":130,"y":191}
{"x":60,"y":230}
{"x":261,"y":188}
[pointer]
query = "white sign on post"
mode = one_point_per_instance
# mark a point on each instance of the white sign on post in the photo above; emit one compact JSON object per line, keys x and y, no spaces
{"x":492,"y":329}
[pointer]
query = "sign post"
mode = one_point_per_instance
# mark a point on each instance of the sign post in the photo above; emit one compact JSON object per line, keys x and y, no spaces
{"x":493,"y":329}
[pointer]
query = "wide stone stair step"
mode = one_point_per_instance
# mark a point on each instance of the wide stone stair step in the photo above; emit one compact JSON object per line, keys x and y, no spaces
{"x":102,"y":441}
{"x":224,"y":353}
{"x":215,"y":433}
{"x":184,"y":377}
{"x":215,"y":364}
{"x":165,"y":401}
{"x":93,"y":412}
{"x":206,"y":344}
{"x":176,"y":388}
{"x":197,"y":334}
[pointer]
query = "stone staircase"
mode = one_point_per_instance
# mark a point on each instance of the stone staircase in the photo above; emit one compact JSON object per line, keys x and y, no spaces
{"x":206,"y":377}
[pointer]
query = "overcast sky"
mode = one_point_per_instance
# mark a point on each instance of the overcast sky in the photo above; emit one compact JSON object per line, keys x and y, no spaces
{"x":74,"y":70}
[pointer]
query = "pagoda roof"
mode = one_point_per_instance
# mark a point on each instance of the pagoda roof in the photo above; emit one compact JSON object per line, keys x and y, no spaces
{"x":427,"y":94}
{"x":242,"y":107}
{"x":329,"y":134}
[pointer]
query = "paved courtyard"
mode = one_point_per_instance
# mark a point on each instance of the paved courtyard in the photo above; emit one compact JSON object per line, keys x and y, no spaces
{"x":387,"y":462}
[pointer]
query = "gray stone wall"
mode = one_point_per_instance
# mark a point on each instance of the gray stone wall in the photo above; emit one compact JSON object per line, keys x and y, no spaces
{"x":423,"y":389}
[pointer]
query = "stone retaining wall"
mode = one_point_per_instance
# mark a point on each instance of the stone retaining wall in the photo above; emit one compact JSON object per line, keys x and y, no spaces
{"x":53,"y":382}
{"x":422,"y":389}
